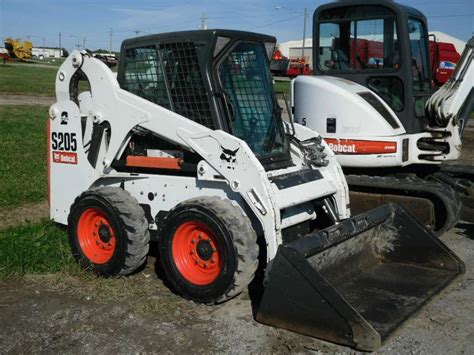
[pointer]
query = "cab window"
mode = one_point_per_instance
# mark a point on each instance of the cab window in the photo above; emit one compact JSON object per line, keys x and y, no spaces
{"x":350,"y":43}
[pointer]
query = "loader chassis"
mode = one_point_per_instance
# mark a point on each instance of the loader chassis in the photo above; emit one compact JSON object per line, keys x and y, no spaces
{"x":113,"y":129}
{"x":187,"y":146}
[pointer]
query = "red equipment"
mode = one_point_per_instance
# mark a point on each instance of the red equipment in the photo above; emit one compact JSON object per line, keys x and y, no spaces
{"x":283,"y":66}
{"x":443,"y":59}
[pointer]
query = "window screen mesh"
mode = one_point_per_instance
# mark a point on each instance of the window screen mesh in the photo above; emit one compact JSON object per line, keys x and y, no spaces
{"x":174,"y":82}
{"x":144,"y":75}
{"x":188,"y":93}
{"x":246,"y":78}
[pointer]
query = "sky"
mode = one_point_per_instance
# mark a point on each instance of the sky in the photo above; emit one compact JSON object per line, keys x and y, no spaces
{"x":92,"y":21}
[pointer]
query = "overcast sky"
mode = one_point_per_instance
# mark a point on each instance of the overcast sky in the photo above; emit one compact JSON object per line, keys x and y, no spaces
{"x":93,"y":19}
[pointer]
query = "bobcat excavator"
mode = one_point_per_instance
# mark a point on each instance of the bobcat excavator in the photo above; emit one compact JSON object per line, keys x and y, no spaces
{"x":371,"y":100}
{"x":186,"y":146}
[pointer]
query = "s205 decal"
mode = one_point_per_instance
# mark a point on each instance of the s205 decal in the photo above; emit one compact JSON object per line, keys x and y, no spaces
{"x":63,"y":141}
{"x":64,"y":146}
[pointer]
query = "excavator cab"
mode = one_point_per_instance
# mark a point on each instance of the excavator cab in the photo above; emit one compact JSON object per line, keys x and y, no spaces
{"x":381,"y":45}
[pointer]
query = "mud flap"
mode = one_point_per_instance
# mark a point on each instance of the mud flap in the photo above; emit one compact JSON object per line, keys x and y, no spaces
{"x":355,"y":282}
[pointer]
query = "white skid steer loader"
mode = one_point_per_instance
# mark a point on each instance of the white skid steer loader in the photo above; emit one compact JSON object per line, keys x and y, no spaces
{"x":187,"y":146}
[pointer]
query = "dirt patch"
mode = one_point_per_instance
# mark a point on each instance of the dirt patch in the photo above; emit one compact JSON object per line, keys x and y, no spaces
{"x":34,"y":212}
{"x":25,"y":100}
{"x":76,"y":313}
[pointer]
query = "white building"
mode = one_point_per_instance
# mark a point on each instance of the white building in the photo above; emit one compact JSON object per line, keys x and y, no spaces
{"x":443,"y":37}
{"x":286,"y":46}
{"x":43,"y":53}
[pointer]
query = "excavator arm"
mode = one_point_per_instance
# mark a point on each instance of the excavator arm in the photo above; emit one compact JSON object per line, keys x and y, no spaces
{"x":454,"y":100}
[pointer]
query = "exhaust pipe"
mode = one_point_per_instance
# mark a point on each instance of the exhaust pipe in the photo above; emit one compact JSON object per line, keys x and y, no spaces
{"x":354,"y":283}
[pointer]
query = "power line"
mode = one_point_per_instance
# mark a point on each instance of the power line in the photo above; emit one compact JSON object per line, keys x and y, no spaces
{"x":273,"y":23}
{"x":458,"y":15}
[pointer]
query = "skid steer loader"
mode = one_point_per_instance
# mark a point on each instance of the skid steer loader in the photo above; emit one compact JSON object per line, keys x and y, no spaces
{"x":371,"y":100}
{"x":187,"y":146}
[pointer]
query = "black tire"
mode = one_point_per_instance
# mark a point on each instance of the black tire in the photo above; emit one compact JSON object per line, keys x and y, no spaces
{"x":235,"y":243}
{"x":125,"y":224}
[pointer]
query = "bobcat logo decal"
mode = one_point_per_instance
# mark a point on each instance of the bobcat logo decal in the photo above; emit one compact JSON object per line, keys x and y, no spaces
{"x":64,"y":118}
{"x":229,"y":156}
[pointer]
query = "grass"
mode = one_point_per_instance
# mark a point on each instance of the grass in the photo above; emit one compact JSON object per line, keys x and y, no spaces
{"x":34,"y":249}
{"x":39,"y":253}
{"x":55,"y":62}
{"x":23,"y":155}
{"x":282,"y":86}
{"x":28,"y":80}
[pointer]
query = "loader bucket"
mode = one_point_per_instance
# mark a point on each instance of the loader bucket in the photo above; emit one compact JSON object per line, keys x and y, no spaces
{"x":357,"y":281}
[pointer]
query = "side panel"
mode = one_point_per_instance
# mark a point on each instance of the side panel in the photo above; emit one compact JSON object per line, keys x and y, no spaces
{"x":70,"y":171}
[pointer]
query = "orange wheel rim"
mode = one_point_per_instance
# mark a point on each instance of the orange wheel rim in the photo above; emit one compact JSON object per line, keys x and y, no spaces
{"x":195,"y":253}
{"x":96,"y":236}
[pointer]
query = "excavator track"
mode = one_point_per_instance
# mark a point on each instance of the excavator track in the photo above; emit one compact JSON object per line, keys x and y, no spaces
{"x":461,"y":178}
{"x":435,"y":204}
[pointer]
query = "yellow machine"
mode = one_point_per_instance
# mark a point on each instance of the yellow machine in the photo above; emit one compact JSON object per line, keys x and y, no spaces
{"x":18,"y":49}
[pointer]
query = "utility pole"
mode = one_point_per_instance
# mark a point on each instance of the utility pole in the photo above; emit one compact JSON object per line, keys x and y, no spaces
{"x":304,"y":32}
{"x":84,"y":43}
{"x":203,"y":25}
{"x":137,"y":32}
{"x":60,"y":41}
{"x":111,"y":32}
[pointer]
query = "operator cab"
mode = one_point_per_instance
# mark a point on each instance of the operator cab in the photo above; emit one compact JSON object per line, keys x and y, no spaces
{"x":218,"y":78}
{"x":380,"y":45}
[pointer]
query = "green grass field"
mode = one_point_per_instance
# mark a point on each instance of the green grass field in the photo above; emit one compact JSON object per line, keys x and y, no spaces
{"x":282,"y":86}
{"x":27,"y":80}
{"x":23,"y":155}
{"x":56,"y":62}
{"x":34,"y":249}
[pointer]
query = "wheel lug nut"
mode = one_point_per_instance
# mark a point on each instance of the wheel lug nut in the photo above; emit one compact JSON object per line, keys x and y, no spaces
{"x":200,"y":236}
{"x":214,"y":250}
{"x":206,"y":265}
{"x":193,"y":241}
{"x":213,"y":261}
{"x":192,"y":251}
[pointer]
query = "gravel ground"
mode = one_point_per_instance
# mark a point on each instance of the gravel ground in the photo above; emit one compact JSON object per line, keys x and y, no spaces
{"x":66,"y":314}
{"x":25,"y":100}
{"x":31,"y":212}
